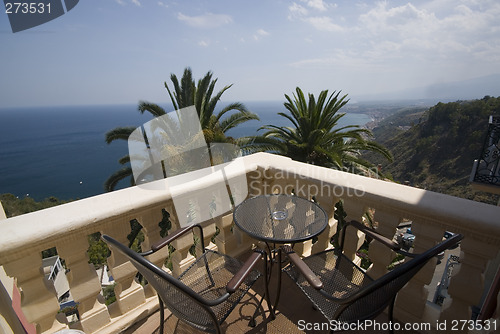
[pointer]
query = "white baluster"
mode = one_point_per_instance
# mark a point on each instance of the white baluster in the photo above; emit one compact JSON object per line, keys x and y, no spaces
{"x":84,"y":283}
{"x":129,"y":293}
{"x":411,"y":305}
{"x":380,"y":255}
{"x":467,"y":284}
{"x":39,"y":304}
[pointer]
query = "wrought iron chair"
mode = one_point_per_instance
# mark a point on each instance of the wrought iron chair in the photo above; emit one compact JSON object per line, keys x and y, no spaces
{"x":343,"y":292}
{"x":203,"y":295}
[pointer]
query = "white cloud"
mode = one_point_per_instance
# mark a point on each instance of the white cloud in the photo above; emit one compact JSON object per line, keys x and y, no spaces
{"x":296,"y":11}
{"x":162,"y":4}
{"x":340,"y":59}
{"x":260,"y":33}
{"x":204,"y":43}
{"x":382,"y":19}
{"x":205,"y":21}
{"x":437,"y":32}
{"x":317,"y":4}
{"x":414,"y":38}
{"x":135,"y":2}
{"x":123,"y":3}
{"x":324,"y":23}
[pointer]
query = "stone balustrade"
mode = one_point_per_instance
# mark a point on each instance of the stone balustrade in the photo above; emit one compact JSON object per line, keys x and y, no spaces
{"x":66,"y":227}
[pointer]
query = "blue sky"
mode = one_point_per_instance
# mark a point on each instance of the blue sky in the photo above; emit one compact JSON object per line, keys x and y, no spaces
{"x":122,"y":51}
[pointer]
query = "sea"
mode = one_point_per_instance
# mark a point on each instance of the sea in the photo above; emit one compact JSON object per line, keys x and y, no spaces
{"x":61,"y":151}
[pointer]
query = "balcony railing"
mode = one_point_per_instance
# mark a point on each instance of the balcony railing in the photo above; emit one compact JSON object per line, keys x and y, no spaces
{"x":485,"y":173}
{"x":66,"y":227}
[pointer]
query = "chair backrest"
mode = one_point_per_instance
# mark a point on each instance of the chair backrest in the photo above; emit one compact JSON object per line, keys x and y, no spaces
{"x":371,"y":300}
{"x":180,"y":299}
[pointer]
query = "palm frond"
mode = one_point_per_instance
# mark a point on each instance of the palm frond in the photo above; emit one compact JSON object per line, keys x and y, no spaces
{"x":118,"y":133}
{"x":315,"y":136}
{"x":236,"y":119}
{"x":124,"y":160}
{"x":253,"y":144}
{"x":152,"y":108}
{"x":116,"y":177}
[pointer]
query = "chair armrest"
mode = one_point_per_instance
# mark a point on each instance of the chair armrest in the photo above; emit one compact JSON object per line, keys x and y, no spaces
{"x":380,"y":238}
{"x":308,"y":274}
{"x":171,"y":237}
{"x":240,"y":276}
{"x":375,"y":235}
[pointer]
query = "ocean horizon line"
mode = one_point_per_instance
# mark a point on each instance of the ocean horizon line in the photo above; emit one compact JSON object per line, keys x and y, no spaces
{"x":61,"y":151}
{"x":168,"y":104}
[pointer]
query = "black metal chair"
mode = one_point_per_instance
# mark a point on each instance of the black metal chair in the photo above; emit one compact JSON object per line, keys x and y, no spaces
{"x":343,"y":292}
{"x":204,"y":294}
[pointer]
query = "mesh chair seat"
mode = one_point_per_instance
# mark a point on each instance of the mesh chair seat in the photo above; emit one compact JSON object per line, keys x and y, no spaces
{"x":205,"y":293}
{"x":212,"y":286}
{"x":340,"y":277}
{"x":342,"y":291}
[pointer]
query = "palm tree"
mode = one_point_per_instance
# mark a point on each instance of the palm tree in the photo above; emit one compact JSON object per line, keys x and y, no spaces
{"x":121,"y":133}
{"x":186,"y":93}
{"x":315,"y":137}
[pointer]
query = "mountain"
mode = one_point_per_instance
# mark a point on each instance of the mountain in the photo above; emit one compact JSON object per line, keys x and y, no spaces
{"x":435,"y":148}
{"x":474,"y":88}
{"x":468,"y":89}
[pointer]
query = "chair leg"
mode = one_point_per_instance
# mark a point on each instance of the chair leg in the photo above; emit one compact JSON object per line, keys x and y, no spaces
{"x":209,"y":274}
{"x":162,"y":314}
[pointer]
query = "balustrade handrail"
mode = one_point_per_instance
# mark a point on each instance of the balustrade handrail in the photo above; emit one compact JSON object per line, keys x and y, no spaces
{"x":462,"y":215}
{"x":23,"y":236}
{"x":44,"y":226}
{"x":19,"y":235}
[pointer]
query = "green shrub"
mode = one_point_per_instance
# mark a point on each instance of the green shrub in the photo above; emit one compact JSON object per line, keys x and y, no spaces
{"x":109,"y":294}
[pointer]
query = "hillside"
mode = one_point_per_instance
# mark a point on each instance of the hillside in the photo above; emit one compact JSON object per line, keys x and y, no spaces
{"x":434,"y":149}
{"x":14,"y":206}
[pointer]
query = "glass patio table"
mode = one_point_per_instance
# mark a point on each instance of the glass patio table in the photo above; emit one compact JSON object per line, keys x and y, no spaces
{"x":279,"y":219}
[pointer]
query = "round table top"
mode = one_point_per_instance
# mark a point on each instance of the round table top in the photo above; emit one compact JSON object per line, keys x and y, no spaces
{"x":280,"y":218}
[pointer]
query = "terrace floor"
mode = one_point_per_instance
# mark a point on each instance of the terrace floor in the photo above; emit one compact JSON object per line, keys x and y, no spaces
{"x":293,"y":306}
